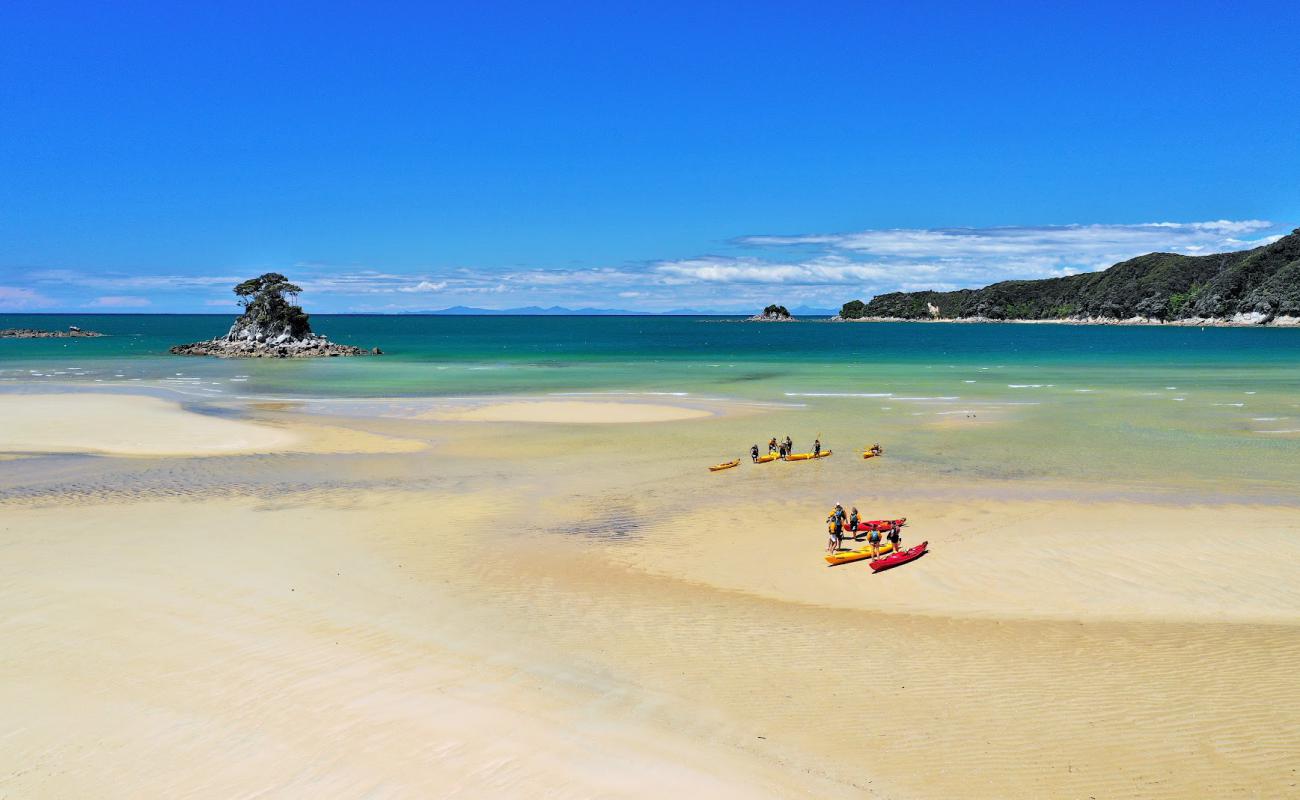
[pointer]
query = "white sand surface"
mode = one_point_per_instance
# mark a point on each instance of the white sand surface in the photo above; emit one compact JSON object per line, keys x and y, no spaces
{"x":608,"y":622}
{"x":223,"y":649}
{"x":577,"y":412}
{"x":1037,"y":559}
{"x":137,"y":425}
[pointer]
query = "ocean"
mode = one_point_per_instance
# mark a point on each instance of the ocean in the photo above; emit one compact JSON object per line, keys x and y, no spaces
{"x":1217,"y":408}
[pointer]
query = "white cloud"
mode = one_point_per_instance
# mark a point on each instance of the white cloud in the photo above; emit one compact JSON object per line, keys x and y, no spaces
{"x":819,"y":271}
{"x":119,"y":301}
{"x":803,"y":269}
{"x":905,"y":258}
{"x":1079,"y":245}
{"x":14,"y":298}
{"x":123,"y":283}
{"x":424,"y":286}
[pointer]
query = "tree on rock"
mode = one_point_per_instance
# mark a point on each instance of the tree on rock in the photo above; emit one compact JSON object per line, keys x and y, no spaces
{"x":272,"y":326}
{"x":269,"y":310}
{"x":780,"y":312}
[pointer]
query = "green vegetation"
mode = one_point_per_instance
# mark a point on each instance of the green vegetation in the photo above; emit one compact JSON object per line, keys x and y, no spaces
{"x":269,"y":307}
{"x":854,"y":309}
{"x":1179,"y":300}
{"x":1264,"y":281}
{"x":781,"y":312}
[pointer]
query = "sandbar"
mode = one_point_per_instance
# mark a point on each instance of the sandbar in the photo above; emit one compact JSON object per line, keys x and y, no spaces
{"x":139,"y":425}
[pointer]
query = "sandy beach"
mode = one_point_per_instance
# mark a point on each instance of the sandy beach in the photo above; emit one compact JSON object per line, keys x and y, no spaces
{"x":134,"y":425}
{"x":389,"y":408}
{"x":467,"y":616}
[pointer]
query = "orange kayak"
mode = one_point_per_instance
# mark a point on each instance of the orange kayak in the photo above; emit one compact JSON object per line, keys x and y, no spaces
{"x":725,"y":465}
{"x":808,"y":456}
{"x":848,"y":556}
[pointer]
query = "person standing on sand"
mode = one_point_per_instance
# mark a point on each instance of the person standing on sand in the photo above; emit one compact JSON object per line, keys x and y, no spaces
{"x":789,"y":445}
{"x":753,"y":453}
{"x":835,"y":524}
{"x":896,"y":538}
{"x":853,"y":521}
{"x":873,"y":539}
{"x":817,"y":447}
{"x":771,"y":446}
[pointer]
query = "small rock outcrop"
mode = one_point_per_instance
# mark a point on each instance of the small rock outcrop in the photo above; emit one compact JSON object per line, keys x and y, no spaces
{"x":272,"y":326}
{"x":31,"y":333}
{"x":282,"y":346}
{"x":773,"y":313}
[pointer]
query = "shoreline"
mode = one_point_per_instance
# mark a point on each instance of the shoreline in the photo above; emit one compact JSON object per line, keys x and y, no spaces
{"x":1281,"y":322}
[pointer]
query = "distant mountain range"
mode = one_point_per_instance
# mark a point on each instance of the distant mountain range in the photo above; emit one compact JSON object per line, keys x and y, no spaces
{"x":1258,"y":286}
{"x":560,"y":311}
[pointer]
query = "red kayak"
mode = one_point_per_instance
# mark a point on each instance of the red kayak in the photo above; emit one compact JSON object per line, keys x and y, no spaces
{"x":894,"y":559}
{"x":881,"y":525}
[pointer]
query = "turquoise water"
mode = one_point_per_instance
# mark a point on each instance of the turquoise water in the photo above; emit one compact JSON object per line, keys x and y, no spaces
{"x":489,"y":355}
{"x":1218,"y":407}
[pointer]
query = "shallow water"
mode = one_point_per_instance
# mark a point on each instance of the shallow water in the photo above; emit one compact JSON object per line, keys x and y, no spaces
{"x":1217,"y":409}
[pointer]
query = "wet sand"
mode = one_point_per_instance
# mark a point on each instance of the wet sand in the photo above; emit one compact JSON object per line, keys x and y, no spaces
{"x":611,"y":622}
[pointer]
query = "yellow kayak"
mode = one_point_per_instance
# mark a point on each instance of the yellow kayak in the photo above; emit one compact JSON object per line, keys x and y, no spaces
{"x":726,"y":465}
{"x":807,"y":456}
{"x":765,"y":459}
{"x":846,"y":556}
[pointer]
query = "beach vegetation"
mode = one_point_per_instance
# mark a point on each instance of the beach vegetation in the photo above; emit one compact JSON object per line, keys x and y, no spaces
{"x":854,"y":309}
{"x":1263,"y":282}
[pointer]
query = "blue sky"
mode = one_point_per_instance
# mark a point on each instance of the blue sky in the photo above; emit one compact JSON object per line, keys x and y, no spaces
{"x":397,"y":156}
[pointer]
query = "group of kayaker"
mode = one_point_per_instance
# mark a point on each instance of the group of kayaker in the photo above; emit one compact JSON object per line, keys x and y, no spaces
{"x":839,"y":524}
{"x":783,"y":448}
